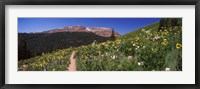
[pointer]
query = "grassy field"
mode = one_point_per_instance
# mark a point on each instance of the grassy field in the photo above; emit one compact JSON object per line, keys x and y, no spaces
{"x":144,"y":49}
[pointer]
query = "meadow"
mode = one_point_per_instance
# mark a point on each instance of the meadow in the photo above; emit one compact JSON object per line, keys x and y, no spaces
{"x":144,"y":49}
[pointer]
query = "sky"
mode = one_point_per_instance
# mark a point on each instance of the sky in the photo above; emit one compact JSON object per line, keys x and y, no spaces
{"x":120,"y":25}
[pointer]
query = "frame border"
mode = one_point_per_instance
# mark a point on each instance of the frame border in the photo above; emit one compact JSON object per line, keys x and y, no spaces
{"x":3,"y":3}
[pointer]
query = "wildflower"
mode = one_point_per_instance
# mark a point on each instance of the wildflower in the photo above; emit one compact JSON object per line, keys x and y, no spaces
{"x":137,"y":38}
{"x":167,"y":69}
{"x":148,"y":32}
{"x":164,"y":43}
{"x":137,"y":47}
{"x":113,"y":57}
{"x":103,"y":43}
{"x":175,"y":33}
{"x":133,"y":44}
{"x":25,"y":67}
{"x":165,"y":32}
{"x":107,"y":53}
{"x":178,"y":46}
{"x":143,"y":30}
{"x":156,"y":38}
{"x":99,"y":52}
{"x":140,"y":63}
{"x":118,"y":41}
{"x":86,"y":57}
{"x":130,"y":57}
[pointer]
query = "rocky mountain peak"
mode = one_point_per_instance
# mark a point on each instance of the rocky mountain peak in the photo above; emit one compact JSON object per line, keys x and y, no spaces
{"x":101,"y":31}
{"x":76,"y":27}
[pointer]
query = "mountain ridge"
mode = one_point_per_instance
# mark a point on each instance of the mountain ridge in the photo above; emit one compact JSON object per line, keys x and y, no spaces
{"x":100,"y":31}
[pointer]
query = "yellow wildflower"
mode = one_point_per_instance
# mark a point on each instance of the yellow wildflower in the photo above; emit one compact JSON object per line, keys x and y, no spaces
{"x":86,"y":57}
{"x":133,"y":44}
{"x":137,"y":38}
{"x":164,"y":43}
{"x":103,"y":43}
{"x":178,"y":46}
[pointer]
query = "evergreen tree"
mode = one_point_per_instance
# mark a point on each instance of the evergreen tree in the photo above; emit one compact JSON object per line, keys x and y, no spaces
{"x":169,"y":22}
{"x":113,"y":35}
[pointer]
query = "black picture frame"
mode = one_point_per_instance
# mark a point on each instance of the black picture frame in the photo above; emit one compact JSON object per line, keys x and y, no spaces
{"x":99,"y":2}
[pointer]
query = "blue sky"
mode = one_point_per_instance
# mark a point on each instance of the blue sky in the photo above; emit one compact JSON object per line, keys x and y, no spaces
{"x":120,"y":25}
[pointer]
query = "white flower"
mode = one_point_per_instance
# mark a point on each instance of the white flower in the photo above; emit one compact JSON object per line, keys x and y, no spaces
{"x":25,"y":66}
{"x":156,"y":38}
{"x":148,"y":32}
{"x":130,"y":57}
{"x":137,"y":47}
{"x":113,"y":57}
{"x":143,"y":30}
{"x":140,"y":63}
{"x":167,"y":69}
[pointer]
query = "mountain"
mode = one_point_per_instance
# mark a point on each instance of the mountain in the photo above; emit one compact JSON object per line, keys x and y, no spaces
{"x":38,"y":43}
{"x":100,"y":31}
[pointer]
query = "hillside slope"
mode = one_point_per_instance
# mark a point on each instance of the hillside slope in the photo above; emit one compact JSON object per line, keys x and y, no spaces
{"x":145,"y":49}
{"x":39,"y":43}
{"x":153,"y":27}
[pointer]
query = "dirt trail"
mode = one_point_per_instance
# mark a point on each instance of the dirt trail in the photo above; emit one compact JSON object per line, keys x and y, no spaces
{"x":72,"y":65}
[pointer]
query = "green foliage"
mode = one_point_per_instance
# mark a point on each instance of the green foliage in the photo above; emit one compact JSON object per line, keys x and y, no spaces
{"x":169,"y":22}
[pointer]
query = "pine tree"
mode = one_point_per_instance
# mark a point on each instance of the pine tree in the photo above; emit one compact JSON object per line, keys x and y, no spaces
{"x":113,"y":35}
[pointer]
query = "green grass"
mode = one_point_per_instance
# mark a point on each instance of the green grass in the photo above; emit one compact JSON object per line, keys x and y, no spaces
{"x":144,"y":49}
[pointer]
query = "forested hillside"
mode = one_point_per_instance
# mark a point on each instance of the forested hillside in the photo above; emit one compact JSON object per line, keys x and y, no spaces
{"x":33,"y":44}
